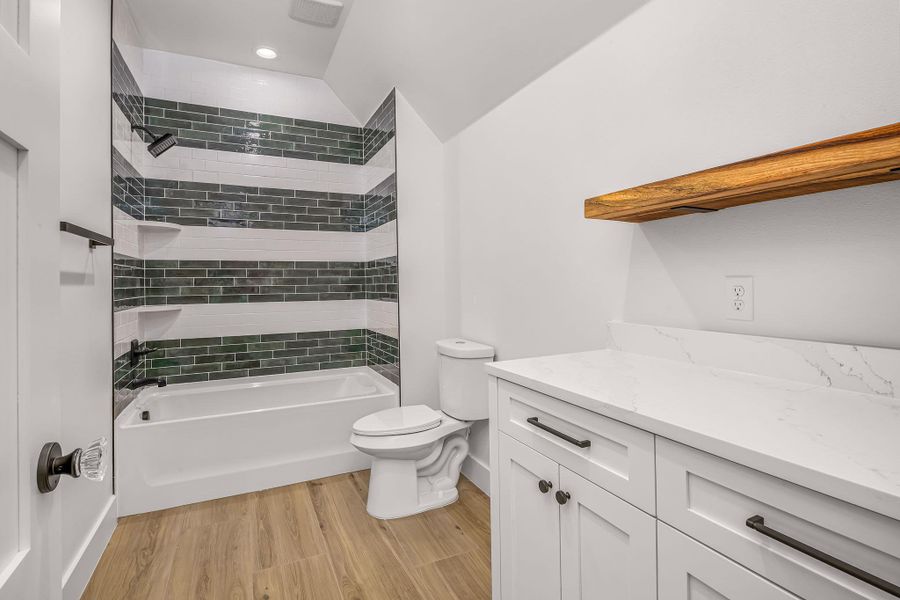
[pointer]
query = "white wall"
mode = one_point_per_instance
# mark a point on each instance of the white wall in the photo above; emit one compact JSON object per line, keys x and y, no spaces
{"x":429,"y":301}
{"x":675,"y":87}
{"x":85,"y":368}
{"x":425,"y":291}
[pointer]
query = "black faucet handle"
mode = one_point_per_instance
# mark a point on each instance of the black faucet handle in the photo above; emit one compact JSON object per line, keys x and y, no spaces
{"x":137,"y":352}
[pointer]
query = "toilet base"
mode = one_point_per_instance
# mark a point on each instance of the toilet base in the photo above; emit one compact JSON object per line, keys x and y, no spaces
{"x":402,"y":488}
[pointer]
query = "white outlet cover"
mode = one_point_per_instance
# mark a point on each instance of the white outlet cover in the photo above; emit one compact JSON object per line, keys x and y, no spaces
{"x":739,"y":298}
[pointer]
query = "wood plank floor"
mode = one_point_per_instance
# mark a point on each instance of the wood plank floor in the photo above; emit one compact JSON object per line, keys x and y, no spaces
{"x":309,"y":541}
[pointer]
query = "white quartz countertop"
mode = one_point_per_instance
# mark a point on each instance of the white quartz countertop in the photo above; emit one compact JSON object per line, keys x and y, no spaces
{"x":841,"y":443}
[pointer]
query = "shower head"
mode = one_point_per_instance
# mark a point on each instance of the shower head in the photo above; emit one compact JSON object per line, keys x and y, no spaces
{"x":160,"y":143}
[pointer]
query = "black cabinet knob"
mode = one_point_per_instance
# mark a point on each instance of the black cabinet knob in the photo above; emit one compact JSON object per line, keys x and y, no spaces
{"x":562,"y":497}
{"x":544,"y":486}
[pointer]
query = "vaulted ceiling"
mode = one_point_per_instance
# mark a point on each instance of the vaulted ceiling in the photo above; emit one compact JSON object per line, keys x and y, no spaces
{"x":453,"y":60}
{"x":231,"y":30}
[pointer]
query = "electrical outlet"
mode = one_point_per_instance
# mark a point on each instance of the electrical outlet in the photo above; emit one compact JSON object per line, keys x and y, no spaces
{"x":739,"y":298}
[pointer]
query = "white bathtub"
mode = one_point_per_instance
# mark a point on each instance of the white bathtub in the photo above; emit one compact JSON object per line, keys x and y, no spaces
{"x":215,"y":439}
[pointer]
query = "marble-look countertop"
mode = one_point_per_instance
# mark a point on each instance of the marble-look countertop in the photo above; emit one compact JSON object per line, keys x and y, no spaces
{"x":842,"y":443}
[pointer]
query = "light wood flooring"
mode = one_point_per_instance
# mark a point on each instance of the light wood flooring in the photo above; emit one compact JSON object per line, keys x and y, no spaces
{"x":309,"y":541}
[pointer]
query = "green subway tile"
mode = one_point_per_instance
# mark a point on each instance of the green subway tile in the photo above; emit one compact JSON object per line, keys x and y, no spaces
{"x":204,"y":368}
{"x":208,"y":341}
{"x":228,"y":374}
{"x":267,"y":371}
{"x":188,"y":378}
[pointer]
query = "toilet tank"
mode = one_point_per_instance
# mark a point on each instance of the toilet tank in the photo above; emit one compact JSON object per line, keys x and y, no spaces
{"x":462,"y":379}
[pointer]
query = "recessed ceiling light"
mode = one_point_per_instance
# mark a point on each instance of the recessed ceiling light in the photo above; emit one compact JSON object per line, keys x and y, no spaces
{"x":267,"y":53}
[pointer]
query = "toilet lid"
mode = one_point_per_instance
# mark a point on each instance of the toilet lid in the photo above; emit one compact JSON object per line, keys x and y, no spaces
{"x":397,"y":421}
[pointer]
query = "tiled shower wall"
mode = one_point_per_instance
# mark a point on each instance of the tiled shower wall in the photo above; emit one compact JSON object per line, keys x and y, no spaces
{"x":274,"y":249}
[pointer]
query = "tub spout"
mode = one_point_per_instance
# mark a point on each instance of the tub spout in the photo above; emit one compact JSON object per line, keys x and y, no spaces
{"x":139,"y":383}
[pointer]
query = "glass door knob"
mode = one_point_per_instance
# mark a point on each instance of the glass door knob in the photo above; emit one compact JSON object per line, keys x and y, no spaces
{"x":92,"y":462}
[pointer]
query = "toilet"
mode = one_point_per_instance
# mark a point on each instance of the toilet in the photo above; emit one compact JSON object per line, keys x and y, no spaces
{"x":416,"y":451}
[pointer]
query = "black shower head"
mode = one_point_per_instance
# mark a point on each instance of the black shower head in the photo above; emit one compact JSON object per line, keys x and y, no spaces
{"x":160,"y":143}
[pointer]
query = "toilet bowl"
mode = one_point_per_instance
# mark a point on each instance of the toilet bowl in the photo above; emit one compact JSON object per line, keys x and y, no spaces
{"x":415,"y":471}
{"x":417,"y":452}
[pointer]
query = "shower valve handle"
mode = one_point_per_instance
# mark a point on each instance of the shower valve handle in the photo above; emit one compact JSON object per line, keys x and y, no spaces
{"x":137,"y":352}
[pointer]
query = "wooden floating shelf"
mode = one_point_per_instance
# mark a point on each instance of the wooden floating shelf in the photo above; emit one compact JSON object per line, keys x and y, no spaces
{"x":863,"y":158}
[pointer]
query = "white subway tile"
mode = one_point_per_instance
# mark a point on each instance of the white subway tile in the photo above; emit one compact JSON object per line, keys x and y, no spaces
{"x":213,"y":320}
{"x":383,"y":317}
{"x":381,"y":242}
{"x":125,"y":233}
{"x":232,"y":243}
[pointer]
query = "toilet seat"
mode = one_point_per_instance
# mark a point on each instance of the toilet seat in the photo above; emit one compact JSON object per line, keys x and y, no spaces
{"x":401,"y":420}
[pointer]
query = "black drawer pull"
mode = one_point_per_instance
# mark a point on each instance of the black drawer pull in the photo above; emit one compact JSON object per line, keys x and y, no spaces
{"x":580,"y":443}
{"x":758,"y":523}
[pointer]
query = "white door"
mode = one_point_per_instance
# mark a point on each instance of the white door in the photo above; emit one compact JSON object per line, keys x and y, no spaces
{"x":529,"y":523}
{"x":29,"y":294}
{"x":688,"y":570}
{"x":608,"y":547}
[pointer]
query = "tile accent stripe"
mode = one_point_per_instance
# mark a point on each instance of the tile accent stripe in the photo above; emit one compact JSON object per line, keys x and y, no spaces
{"x":380,"y":128}
{"x":216,"y":128}
{"x":381,"y":279}
{"x":215,"y":205}
{"x":213,"y":281}
{"x":206,"y":359}
{"x":383,"y":355}
{"x":128,"y":282}
{"x":226,"y":281}
{"x":381,"y":204}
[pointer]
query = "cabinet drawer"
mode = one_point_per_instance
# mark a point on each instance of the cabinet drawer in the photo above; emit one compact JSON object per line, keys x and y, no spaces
{"x":710,"y":499}
{"x":615,"y":456}
{"x":689,"y":570}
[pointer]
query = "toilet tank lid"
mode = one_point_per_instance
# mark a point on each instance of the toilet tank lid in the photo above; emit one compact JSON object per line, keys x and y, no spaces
{"x":460,"y":348}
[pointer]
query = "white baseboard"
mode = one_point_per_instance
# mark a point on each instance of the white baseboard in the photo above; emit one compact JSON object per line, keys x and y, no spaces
{"x":79,"y":571}
{"x":478,"y":473}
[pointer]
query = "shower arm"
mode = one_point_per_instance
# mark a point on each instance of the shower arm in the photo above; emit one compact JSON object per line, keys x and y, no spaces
{"x":142,"y":128}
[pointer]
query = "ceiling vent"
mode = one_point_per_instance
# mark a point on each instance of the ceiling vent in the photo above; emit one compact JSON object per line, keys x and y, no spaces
{"x":324,"y":13}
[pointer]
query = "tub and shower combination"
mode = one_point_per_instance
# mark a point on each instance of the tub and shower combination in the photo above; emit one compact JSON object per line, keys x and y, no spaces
{"x":198,"y":441}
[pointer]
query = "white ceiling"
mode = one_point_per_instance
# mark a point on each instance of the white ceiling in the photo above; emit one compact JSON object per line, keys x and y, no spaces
{"x":231,"y":30}
{"x":453,"y":60}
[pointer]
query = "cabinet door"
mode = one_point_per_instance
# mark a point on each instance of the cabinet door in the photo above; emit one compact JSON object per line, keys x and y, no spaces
{"x":688,"y":570}
{"x":529,"y":523}
{"x":608,"y":547}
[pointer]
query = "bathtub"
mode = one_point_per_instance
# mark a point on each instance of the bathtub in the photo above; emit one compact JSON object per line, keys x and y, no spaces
{"x":214,"y":439}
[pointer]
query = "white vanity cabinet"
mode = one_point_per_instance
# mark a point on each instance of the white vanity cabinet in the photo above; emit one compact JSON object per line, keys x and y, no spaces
{"x":564,"y":537}
{"x":588,"y":507}
{"x":688,"y":570}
